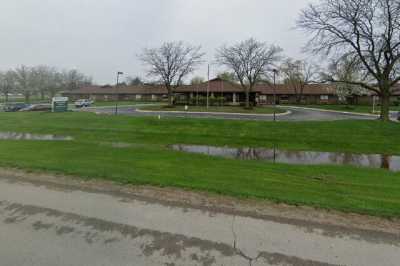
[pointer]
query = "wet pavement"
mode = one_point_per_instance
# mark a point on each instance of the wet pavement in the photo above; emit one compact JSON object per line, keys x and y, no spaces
{"x":48,"y":224}
{"x":382,"y":161}
{"x":295,"y":114}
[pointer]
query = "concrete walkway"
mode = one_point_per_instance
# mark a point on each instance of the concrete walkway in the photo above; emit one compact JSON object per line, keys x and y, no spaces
{"x":52,"y":224}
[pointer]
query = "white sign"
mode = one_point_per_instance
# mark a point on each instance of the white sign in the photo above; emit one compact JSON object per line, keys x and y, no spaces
{"x":60,"y":104}
{"x":60,"y":99}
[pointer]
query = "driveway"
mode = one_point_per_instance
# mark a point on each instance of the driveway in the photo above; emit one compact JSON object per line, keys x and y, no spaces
{"x":48,"y":223}
{"x":296,"y":114}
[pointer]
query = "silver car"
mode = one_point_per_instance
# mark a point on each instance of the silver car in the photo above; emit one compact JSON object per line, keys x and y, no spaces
{"x":83,"y":103}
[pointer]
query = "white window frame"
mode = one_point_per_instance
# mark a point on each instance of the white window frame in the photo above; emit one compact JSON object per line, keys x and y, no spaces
{"x":324,"y":97}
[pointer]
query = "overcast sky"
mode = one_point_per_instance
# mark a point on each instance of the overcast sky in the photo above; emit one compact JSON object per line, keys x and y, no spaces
{"x":100,"y":37}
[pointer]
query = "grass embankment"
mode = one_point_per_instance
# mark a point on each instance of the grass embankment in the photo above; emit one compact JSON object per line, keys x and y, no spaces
{"x":364,"y":109}
{"x":149,"y":161}
{"x":215,"y":109}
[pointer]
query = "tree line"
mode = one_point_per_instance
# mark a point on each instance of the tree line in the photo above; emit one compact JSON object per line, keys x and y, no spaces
{"x":40,"y":81}
{"x":247,"y":63}
{"x":358,"y":41}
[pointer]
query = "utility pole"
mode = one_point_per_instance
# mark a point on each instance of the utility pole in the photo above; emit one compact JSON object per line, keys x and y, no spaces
{"x":116,"y":89}
{"x":275,"y":73}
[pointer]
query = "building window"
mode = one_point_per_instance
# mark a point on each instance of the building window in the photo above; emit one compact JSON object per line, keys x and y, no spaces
{"x":284,"y":98}
{"x":324,"y":97}
{"x":138,"y":97}
{"x":263,"y":98}
{"x":153,"y":97}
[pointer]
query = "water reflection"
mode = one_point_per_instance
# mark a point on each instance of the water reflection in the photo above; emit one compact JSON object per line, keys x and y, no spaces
{"x":29,"y":136}
{"x":296,"y":157}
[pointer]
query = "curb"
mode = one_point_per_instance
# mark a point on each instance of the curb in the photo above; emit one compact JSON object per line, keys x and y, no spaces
{"x":213,"y":113}
{"x":332,"y":111}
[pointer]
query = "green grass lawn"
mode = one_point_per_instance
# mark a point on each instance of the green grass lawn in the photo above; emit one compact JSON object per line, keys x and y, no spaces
{"x":149,"y":161}
{"x":351,"y":108}
{"x":218,"y":109}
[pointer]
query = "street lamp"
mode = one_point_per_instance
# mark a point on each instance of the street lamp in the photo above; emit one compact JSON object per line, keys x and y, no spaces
{"x":116,"y":89}
{"x":275,"y":73}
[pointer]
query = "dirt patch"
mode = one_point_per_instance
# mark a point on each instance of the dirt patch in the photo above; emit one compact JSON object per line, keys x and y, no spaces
{"x":303,"y":216}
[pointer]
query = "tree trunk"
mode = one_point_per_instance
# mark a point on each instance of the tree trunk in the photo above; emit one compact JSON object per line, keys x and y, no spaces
{"x":6,"y":97}
{"x":41,"y":95}
{"x":385,"y":104}
{"x":170,"y":96}
{"x":298,"y":98}
{"x":27,"y":97}
{"x":247,"y":98}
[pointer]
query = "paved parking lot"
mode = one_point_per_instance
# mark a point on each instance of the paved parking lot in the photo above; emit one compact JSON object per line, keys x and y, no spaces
{"x":296,"y":114}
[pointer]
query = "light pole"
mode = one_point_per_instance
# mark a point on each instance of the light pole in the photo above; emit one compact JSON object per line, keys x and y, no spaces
{"x":275,"y":73}
{"x":208,"y":86}
{"x":116,"y":89}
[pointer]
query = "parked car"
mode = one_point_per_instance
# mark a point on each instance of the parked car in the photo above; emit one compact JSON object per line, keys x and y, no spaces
{"x":398,"y":116}
{"x":37,"y":108}
{"x":83,"y":103}
{"x":15,"y":107}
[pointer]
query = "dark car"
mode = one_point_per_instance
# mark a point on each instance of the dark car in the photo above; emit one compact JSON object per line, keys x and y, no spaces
{"x":15,"y":107}
{"x":398,"y":116}
{"x":36,"y":108}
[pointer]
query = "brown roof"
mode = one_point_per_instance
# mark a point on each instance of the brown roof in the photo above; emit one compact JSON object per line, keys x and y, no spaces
{"x":216,"y":85}
{"x":311,"y":89}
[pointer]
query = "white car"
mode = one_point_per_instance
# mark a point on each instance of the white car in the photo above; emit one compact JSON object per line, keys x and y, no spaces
{"x":83,"y":103}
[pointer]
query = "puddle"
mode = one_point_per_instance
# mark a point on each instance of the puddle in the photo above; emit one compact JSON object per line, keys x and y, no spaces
{"x":29,"y":136}
{"x":296,"y":157}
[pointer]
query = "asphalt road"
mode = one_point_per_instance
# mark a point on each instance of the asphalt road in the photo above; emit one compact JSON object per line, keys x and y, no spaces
{"x":296,"y":114}
{"x":50,"y":224}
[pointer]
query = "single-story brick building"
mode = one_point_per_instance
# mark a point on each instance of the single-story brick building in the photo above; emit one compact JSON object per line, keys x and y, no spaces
{"x":219,"y":91}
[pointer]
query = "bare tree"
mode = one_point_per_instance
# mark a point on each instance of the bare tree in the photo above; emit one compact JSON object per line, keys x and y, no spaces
{"x":134,"y":81}
{"x":55,"y":84}
{"x":171,"y":63}
{"x":366,"y":30}
{"x":228,"y":76}
{"x":298,"y":74}
{"x":7,"y":83}
{"x":73,"y":79}
{"x":197,"y":80}
{"x":24,"y":78}
{"x":347,"y":70}
{"x":249,"y":60}
{"x":43,"y":79}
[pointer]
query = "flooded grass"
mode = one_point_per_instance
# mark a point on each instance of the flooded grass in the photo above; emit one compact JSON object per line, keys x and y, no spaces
{"x":100,"y":150}
{"x":296,"y":157}
{"x":30,"y":136}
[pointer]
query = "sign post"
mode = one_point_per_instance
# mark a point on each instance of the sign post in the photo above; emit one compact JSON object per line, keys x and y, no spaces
{"x":59,"y":104}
